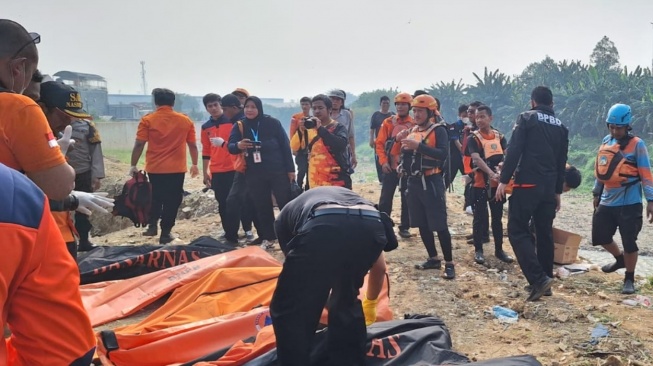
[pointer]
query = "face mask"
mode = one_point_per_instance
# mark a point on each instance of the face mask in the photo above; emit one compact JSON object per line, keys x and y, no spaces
{"x":466,"y":120}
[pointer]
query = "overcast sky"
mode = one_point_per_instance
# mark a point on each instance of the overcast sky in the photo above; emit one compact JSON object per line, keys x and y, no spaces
{"x":291,"y":48}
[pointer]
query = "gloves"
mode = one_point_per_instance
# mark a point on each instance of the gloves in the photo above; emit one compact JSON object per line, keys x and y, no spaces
{"x":217,"y":141}
{"x":65,"y":142}
{"x":132,"y":171}
{"x":369,"y":309}
{"x":89,"y":202}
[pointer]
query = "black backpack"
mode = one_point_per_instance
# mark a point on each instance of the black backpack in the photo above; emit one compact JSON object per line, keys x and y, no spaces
{"x":135,"y":202}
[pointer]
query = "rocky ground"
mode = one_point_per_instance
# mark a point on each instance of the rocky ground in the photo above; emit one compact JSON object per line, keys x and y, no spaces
{"x":556,"y":329}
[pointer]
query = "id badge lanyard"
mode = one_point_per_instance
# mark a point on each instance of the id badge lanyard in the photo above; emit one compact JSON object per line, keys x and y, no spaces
{"x":257,"y":153}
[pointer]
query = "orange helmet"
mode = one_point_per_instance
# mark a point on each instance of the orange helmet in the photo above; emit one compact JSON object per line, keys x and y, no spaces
{"x":425,"y":101}
{"x":403,"y":98}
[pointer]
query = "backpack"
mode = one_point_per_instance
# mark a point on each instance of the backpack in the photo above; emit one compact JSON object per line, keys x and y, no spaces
{"x":135,"y":201}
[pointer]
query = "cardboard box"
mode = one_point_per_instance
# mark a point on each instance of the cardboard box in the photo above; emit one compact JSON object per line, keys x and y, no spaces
{"x":565,"y":246}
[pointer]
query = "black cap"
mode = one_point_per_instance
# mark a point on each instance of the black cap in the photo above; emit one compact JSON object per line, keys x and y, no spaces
{"x":56,"y":94}
{"x":419,"y":92}
{"x":230,"y":100}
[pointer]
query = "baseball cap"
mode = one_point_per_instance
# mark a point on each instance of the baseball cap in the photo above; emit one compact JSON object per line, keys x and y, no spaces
{"x":241,"y":91}
{"x":230,"y":100}
{"x":338,"y":94}
{"x":56,"y":94}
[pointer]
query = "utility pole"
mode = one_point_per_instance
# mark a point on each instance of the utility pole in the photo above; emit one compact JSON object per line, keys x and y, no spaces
{"x":652,"y":57}
{"x":144,"y":81}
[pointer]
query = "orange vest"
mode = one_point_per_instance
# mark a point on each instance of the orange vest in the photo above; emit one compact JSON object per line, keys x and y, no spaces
{"x":429,"y":164}
{"x":611,"y":167}
{"x":490,"y":148}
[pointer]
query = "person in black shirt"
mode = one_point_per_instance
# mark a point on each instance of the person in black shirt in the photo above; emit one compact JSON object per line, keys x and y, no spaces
{"x":455,"y":161}
{"x":536,"y":156}
{"x":270,"y":166}
{"x":375,"y":124}
{"x":331,"y":237}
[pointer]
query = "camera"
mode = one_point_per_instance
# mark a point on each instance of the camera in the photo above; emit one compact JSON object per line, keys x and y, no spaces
{"x":256,"y":143}
{"x":310,"y":122}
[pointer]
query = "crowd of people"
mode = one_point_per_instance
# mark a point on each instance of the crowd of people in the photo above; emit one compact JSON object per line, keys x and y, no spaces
{"x":51,"y":166}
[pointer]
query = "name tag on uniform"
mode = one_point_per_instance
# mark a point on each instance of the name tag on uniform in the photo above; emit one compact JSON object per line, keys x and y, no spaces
{"x":257,"y":156}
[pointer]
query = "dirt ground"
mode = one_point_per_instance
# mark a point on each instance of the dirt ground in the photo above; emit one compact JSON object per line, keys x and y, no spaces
{"x":555,"y":329}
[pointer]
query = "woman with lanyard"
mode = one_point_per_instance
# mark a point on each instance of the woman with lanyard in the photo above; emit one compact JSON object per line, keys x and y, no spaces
{"x":270,"y":167}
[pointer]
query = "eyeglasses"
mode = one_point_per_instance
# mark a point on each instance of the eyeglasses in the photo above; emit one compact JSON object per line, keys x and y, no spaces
{"x":36,"y":39}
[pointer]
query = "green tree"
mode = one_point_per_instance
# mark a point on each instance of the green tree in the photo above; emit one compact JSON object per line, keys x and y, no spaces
{"x":605,"y":54}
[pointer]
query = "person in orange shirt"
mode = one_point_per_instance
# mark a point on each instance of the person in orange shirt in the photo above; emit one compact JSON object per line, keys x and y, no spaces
{"x":217,"y":162}
{"x":327,"y":146}
{"x":389,"y":154}
{"x":487,"y":147}
{"x":39,"y":283}
{"x":167,"y":134}
{"x":27,"y":142}
{"x":301,"y":153}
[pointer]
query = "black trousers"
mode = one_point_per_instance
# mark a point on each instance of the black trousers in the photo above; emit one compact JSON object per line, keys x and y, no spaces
{"x":379,"y":168}
{"x":83,"y":183}
{"x":454,"y":165}
{"x":388,"y":188}
{"x":330,"y":254}
{"x":539,"y":203}
{"x":240,"y":209}
{"x":221,"y":185}
{"x":301,"y":159}
{"x":261,"y":186}
{"x":167,"y":194}
{"x":481,"y":219}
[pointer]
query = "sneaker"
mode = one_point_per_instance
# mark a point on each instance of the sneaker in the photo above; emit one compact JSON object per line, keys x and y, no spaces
{"x":629,"y":287}
{"x":249,"y":237}
{"x":469,"y":211}
{"x":449,"y":271}
{"x":546,"y":293}
{"x":618,"y":264}
{"x":502,"y":256}
{"x":267,"y":244}
{"x":479,"y":258}
{"x":430,"y":264}
{"x":404,"y":233}
{"x":538,"y":291}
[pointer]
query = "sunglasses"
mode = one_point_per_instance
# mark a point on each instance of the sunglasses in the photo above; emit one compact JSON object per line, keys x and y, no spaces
{"x":36,"y":39}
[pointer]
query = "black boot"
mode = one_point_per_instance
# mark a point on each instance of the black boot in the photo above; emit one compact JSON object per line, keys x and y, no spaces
{"x":165,"y":237}
{"x":85,"y":246}
{"x":479,"y":258}
{"x":502,"y":256}
{"x":540,"y":289}
{"x":151,"y":231}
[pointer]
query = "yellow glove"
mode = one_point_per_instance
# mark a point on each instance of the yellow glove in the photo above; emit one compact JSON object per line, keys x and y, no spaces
{"x":369,"y":309}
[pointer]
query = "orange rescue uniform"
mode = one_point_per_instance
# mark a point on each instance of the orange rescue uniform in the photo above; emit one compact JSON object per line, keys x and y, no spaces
{"x":166,"y":133}
{"x":390,"y":127}
{"x":39,"y":283}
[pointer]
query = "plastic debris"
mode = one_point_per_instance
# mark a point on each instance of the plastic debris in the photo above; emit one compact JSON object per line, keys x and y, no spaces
{"x":505,"y":315}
